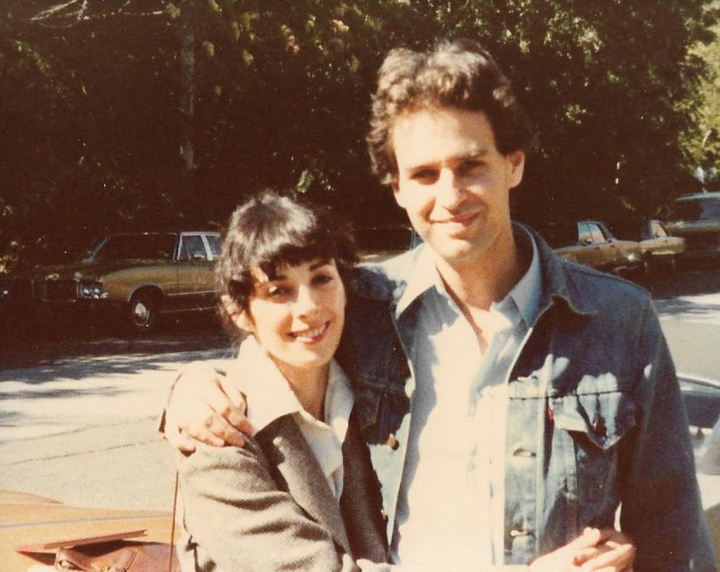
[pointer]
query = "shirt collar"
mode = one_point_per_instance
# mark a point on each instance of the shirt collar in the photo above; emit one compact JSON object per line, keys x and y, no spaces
{"x":525,"y":294}
{"x":269,"y":395}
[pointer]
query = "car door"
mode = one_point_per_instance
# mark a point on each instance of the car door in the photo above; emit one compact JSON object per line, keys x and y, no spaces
{"x":195,"y":272}
{"x":608,"y":255}
{"x":589,"y":252}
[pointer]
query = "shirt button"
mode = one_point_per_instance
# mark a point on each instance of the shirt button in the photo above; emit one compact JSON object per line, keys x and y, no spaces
{"x":392,"y":442}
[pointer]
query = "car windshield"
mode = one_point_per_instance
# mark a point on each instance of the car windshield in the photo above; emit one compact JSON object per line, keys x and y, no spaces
{"x":696,"y":209}
{"x":136,"y":246}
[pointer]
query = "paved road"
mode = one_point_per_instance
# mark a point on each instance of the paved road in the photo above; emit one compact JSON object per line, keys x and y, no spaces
{"x":77,"y":414}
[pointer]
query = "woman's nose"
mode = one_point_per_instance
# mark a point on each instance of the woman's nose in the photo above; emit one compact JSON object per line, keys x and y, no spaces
{"x":306,"y":302}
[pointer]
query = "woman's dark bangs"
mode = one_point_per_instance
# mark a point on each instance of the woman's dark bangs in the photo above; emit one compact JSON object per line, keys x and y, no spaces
{"x":291,"y":248}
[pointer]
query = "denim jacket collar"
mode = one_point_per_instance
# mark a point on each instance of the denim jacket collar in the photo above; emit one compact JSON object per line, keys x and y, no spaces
{"x":392,"y":280}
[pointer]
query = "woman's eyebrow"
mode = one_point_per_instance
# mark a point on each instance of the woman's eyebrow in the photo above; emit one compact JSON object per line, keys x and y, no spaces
{"x":319,"y":264}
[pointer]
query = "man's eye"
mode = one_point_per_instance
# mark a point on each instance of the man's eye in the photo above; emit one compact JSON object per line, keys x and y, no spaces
{"x":467,"y":167}
{"x":424,"y":176}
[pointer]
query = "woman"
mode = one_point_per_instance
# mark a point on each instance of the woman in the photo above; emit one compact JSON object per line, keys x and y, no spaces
{"x":301,"y":495}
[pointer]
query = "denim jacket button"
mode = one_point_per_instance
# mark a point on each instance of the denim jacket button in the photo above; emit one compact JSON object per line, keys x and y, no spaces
{"x":520,"y":451}
{"x":392,"y":442}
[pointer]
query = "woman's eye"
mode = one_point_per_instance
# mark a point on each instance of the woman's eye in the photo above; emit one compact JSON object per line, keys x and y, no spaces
{"x":278,"y":291}
{"x":322,"y":279}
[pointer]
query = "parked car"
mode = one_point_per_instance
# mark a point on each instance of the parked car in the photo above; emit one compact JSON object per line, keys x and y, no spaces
{"x":136,"y":275}
{"x":660,"y":250}
{"x":696,"y":218}
{"x":702,"y":402}
{"x":590,"y":242}
{"x":378,"y":243}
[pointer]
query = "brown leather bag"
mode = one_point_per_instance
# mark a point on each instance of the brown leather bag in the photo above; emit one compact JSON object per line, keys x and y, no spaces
{"x":118,"y":556}
{"x":121,"y":555}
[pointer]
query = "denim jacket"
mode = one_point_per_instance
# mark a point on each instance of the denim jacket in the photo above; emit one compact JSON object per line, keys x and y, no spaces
{"x":595,"y":415}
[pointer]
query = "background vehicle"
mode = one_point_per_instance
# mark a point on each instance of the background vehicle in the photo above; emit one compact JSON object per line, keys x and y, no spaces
{"x":702,"y":402}
{"x":590,"y":242}
{"x":136,"y":275}
{"x":660,"y":250}
{"x":696,"y":218}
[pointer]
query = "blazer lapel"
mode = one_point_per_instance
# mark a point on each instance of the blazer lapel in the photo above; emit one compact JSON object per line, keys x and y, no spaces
{"x":305,"y":481}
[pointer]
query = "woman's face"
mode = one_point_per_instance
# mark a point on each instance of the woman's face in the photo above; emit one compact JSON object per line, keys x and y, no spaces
{"x":298,"y":317}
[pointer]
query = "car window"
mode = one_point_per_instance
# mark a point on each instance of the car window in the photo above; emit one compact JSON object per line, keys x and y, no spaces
{"x":597,"y":234}
{"x":193,"y":248}
{"x":137,"y":247}
{"x":213,"y":241}
{"x":585,"y":234}
{"x":695,"y":209}
{"x":658,"y":231}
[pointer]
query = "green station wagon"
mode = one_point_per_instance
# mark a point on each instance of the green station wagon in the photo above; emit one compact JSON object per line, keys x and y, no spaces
{"x":138,"y":275}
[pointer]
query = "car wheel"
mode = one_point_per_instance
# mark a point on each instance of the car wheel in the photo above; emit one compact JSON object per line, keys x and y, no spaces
{"x":142,"y":312}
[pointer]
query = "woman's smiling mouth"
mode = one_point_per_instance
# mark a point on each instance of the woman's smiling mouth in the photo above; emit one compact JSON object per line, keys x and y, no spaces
{"x":311,"y":336}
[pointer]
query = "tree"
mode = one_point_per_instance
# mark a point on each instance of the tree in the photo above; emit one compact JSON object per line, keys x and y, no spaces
{"x":93,"y":123}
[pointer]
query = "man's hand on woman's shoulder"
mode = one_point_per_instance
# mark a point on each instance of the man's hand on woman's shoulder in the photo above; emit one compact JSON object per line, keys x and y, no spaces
{"x":205,"y":406}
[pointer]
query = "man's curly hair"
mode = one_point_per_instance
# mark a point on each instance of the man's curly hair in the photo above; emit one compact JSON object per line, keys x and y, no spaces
{"x":457,"y":73}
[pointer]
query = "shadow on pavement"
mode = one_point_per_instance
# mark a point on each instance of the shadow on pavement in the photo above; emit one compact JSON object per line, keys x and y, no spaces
{"x":48,"y":343}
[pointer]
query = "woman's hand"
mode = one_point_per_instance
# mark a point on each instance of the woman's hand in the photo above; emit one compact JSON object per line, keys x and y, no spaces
{"x":204,"y":406}
{"x":596,"y":550}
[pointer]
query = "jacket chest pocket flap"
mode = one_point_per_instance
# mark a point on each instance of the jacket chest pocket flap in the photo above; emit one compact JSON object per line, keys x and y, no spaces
{"x":596,"y":423}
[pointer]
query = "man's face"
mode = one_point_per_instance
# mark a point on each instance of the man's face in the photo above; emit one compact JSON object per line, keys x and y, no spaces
{"x":453,"y":182}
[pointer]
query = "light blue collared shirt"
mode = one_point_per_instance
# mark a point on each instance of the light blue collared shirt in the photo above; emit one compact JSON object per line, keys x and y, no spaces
{"x":459,"y":410}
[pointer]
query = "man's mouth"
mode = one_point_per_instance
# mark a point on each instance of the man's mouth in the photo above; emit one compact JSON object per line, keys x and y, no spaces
{"x":463,"y":219}
{"x":311,"y":336}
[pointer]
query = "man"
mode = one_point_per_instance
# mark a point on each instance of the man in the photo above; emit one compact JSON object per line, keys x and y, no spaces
{"x":510,"y":399}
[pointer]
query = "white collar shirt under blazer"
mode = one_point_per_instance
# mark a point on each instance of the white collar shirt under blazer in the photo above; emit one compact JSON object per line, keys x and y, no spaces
{"x":269,"y":397}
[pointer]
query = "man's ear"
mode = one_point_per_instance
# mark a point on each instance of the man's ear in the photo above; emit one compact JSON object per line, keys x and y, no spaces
{"x":517,"y":167}
{"x":237,"y":314}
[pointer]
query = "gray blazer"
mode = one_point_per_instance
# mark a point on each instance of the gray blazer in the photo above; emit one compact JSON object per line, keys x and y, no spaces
{"x":268,"y":507}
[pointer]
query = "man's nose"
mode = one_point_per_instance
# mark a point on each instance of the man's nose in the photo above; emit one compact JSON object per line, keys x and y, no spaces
{"x":450,"y":190}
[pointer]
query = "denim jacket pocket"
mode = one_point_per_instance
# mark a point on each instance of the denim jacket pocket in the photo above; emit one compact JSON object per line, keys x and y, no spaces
{"x":596,"y":423}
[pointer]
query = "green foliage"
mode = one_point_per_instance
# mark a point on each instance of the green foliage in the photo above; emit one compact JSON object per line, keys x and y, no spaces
{"x":91,"y":125}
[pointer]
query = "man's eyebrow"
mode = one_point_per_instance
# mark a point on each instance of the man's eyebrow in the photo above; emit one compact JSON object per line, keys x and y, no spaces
{"x":478,"y":153}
